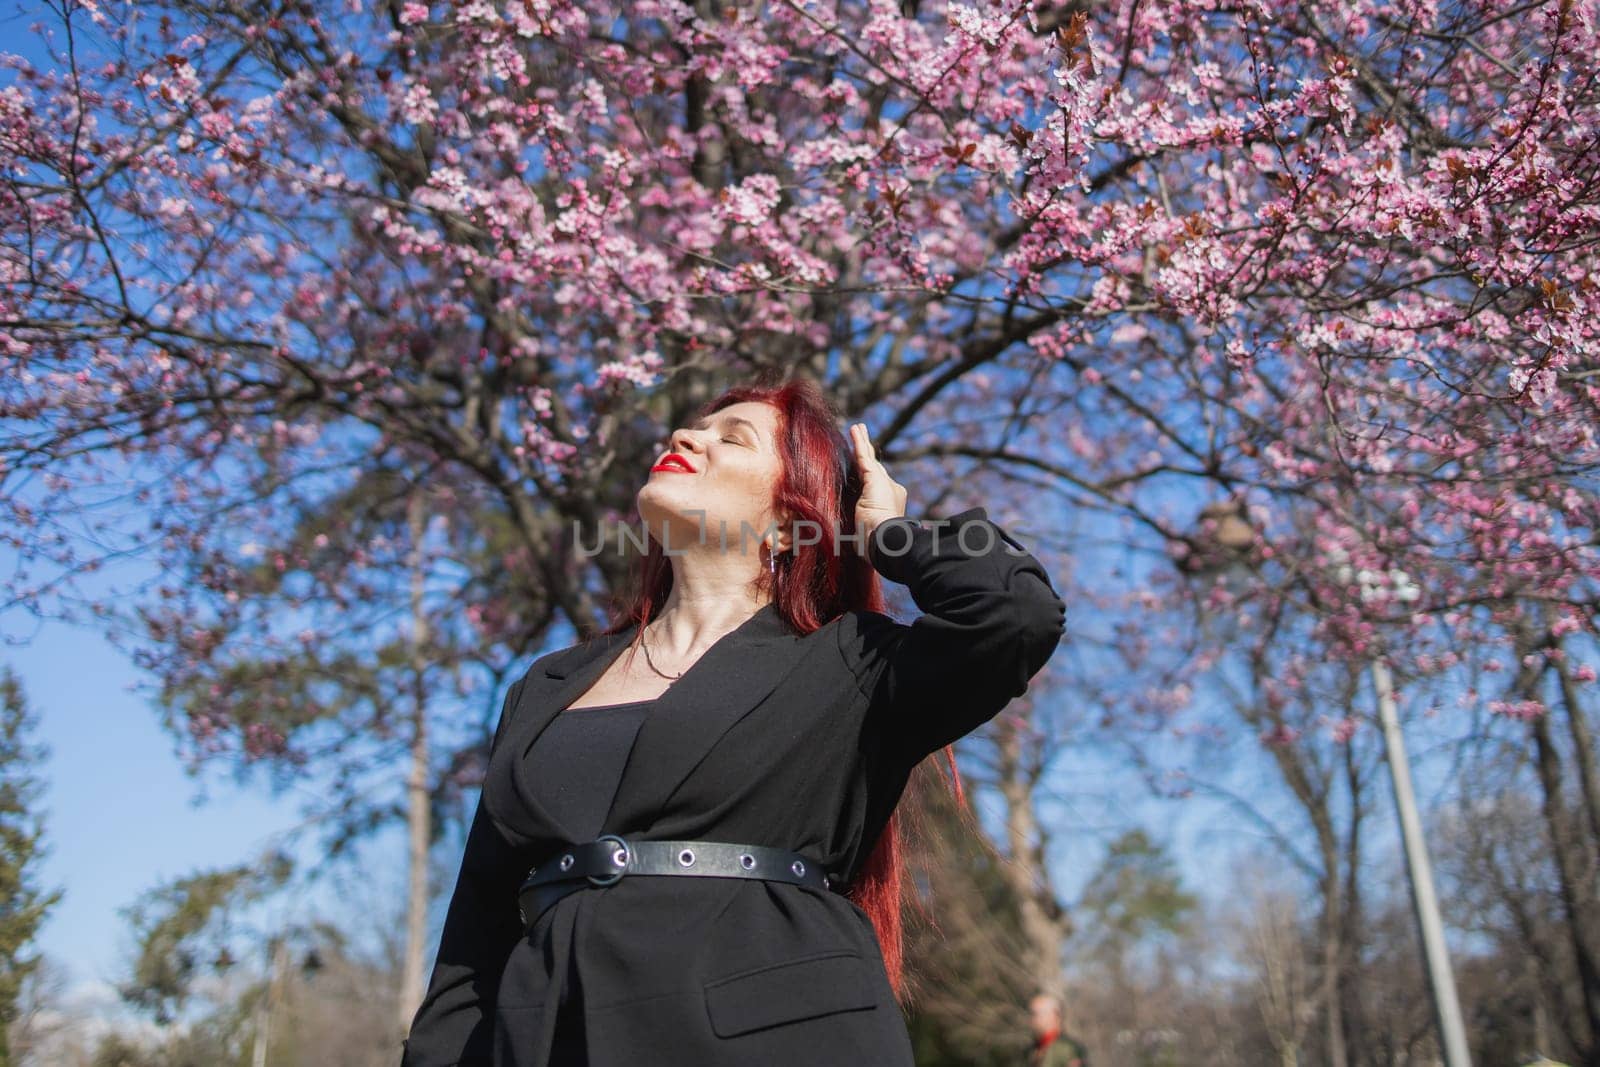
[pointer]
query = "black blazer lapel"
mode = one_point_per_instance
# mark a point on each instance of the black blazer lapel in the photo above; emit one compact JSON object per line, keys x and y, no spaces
{"x":728,"y":680}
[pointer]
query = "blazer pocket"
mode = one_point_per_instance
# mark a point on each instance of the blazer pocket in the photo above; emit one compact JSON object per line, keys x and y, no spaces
{"x":788,"y":992}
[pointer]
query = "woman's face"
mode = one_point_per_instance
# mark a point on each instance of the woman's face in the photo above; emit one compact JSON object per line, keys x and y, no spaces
{"x":735,"y":465}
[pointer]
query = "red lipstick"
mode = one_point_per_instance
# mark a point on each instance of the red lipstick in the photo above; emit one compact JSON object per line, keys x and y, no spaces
{"x":673,"y":462}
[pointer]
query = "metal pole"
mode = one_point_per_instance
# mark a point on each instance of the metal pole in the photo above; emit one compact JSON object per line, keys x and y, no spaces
{"x":1447,"y":1007}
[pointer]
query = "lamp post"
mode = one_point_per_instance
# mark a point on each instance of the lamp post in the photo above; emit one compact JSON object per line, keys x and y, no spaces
{"x":1419,"y":871}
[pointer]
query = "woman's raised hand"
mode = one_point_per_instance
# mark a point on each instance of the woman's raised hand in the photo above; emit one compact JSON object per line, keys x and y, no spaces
{"x":881,"y":496}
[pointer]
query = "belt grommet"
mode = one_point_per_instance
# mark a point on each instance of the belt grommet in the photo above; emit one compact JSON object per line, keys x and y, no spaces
{"x":686,"y":857}
{"x":747,"y":861}
{"x":566,"y":862}
{"x":798,"y":868}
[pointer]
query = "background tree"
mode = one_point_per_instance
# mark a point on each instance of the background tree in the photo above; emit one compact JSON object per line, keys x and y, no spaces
{"x":1271,"y":937}
{"x":229,"y":979}
{"x":24,"y":904}
{"x":1135,"y":896}
{"x":182,"y":932}
{"x":43,"y":1027}
{"x":1497,"y":860}
{"x":1132,"y":916}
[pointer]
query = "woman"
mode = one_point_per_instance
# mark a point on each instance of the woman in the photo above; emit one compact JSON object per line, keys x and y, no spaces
{"x":742,"y":907}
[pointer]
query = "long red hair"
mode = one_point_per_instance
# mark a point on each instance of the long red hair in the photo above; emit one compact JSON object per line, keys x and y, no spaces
{"x":813,"y":584}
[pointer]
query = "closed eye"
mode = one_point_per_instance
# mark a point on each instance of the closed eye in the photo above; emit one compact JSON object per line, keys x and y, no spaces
{"x":743,"y":426}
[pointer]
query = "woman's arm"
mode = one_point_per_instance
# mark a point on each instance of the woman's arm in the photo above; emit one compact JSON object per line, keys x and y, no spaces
{"x":455,"y":1023}
{"x":991,"y":620}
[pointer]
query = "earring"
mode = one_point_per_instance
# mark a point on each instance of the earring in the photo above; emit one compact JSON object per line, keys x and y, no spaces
{"x":772,"y":561}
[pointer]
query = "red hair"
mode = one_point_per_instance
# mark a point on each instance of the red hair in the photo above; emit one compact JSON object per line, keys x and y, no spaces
{"x":813,"y":584}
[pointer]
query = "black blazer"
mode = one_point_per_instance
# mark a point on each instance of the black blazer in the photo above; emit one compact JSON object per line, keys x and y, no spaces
{"x":803,"y":742}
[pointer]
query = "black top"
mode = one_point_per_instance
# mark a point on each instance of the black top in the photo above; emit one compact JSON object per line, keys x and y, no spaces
{"x":576,"y":762}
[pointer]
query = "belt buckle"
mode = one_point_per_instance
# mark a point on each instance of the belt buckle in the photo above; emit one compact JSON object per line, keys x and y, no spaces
{"x":622,"y":864}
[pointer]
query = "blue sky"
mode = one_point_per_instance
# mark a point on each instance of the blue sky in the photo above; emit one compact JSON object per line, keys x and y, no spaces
{"x":121,"y":812}
{"x":122,"y":816}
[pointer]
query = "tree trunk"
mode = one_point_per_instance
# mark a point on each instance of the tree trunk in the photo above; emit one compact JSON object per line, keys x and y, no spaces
{"x":1313,"y":795}
{"x":1333,"y":957}
{"x":1352,"y":920}
{"x":278,"y":962}
{"x":1577,"y":907}
{"x":1031,"y":882}
{"x":418,"y":814}
{"x":1583,"y":749}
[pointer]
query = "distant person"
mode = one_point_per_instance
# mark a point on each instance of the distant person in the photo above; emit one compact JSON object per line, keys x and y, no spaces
{"x":1052,"y":1047}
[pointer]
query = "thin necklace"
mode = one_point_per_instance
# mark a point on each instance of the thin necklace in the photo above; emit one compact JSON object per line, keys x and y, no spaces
{"x":647,"y":659}
{"x":646,"y":645}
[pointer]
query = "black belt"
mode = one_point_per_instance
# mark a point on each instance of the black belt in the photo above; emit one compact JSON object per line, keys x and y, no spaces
{"x":608,"y":858}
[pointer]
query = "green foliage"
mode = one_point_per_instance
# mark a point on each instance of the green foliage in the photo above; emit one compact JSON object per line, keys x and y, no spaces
{"x":182,"y":931}
{"x":23,"y":905}
{"x":1134,"y":895}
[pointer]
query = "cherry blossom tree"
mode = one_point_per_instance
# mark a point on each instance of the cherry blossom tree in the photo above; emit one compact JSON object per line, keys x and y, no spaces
{"x":1322,"y":274}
